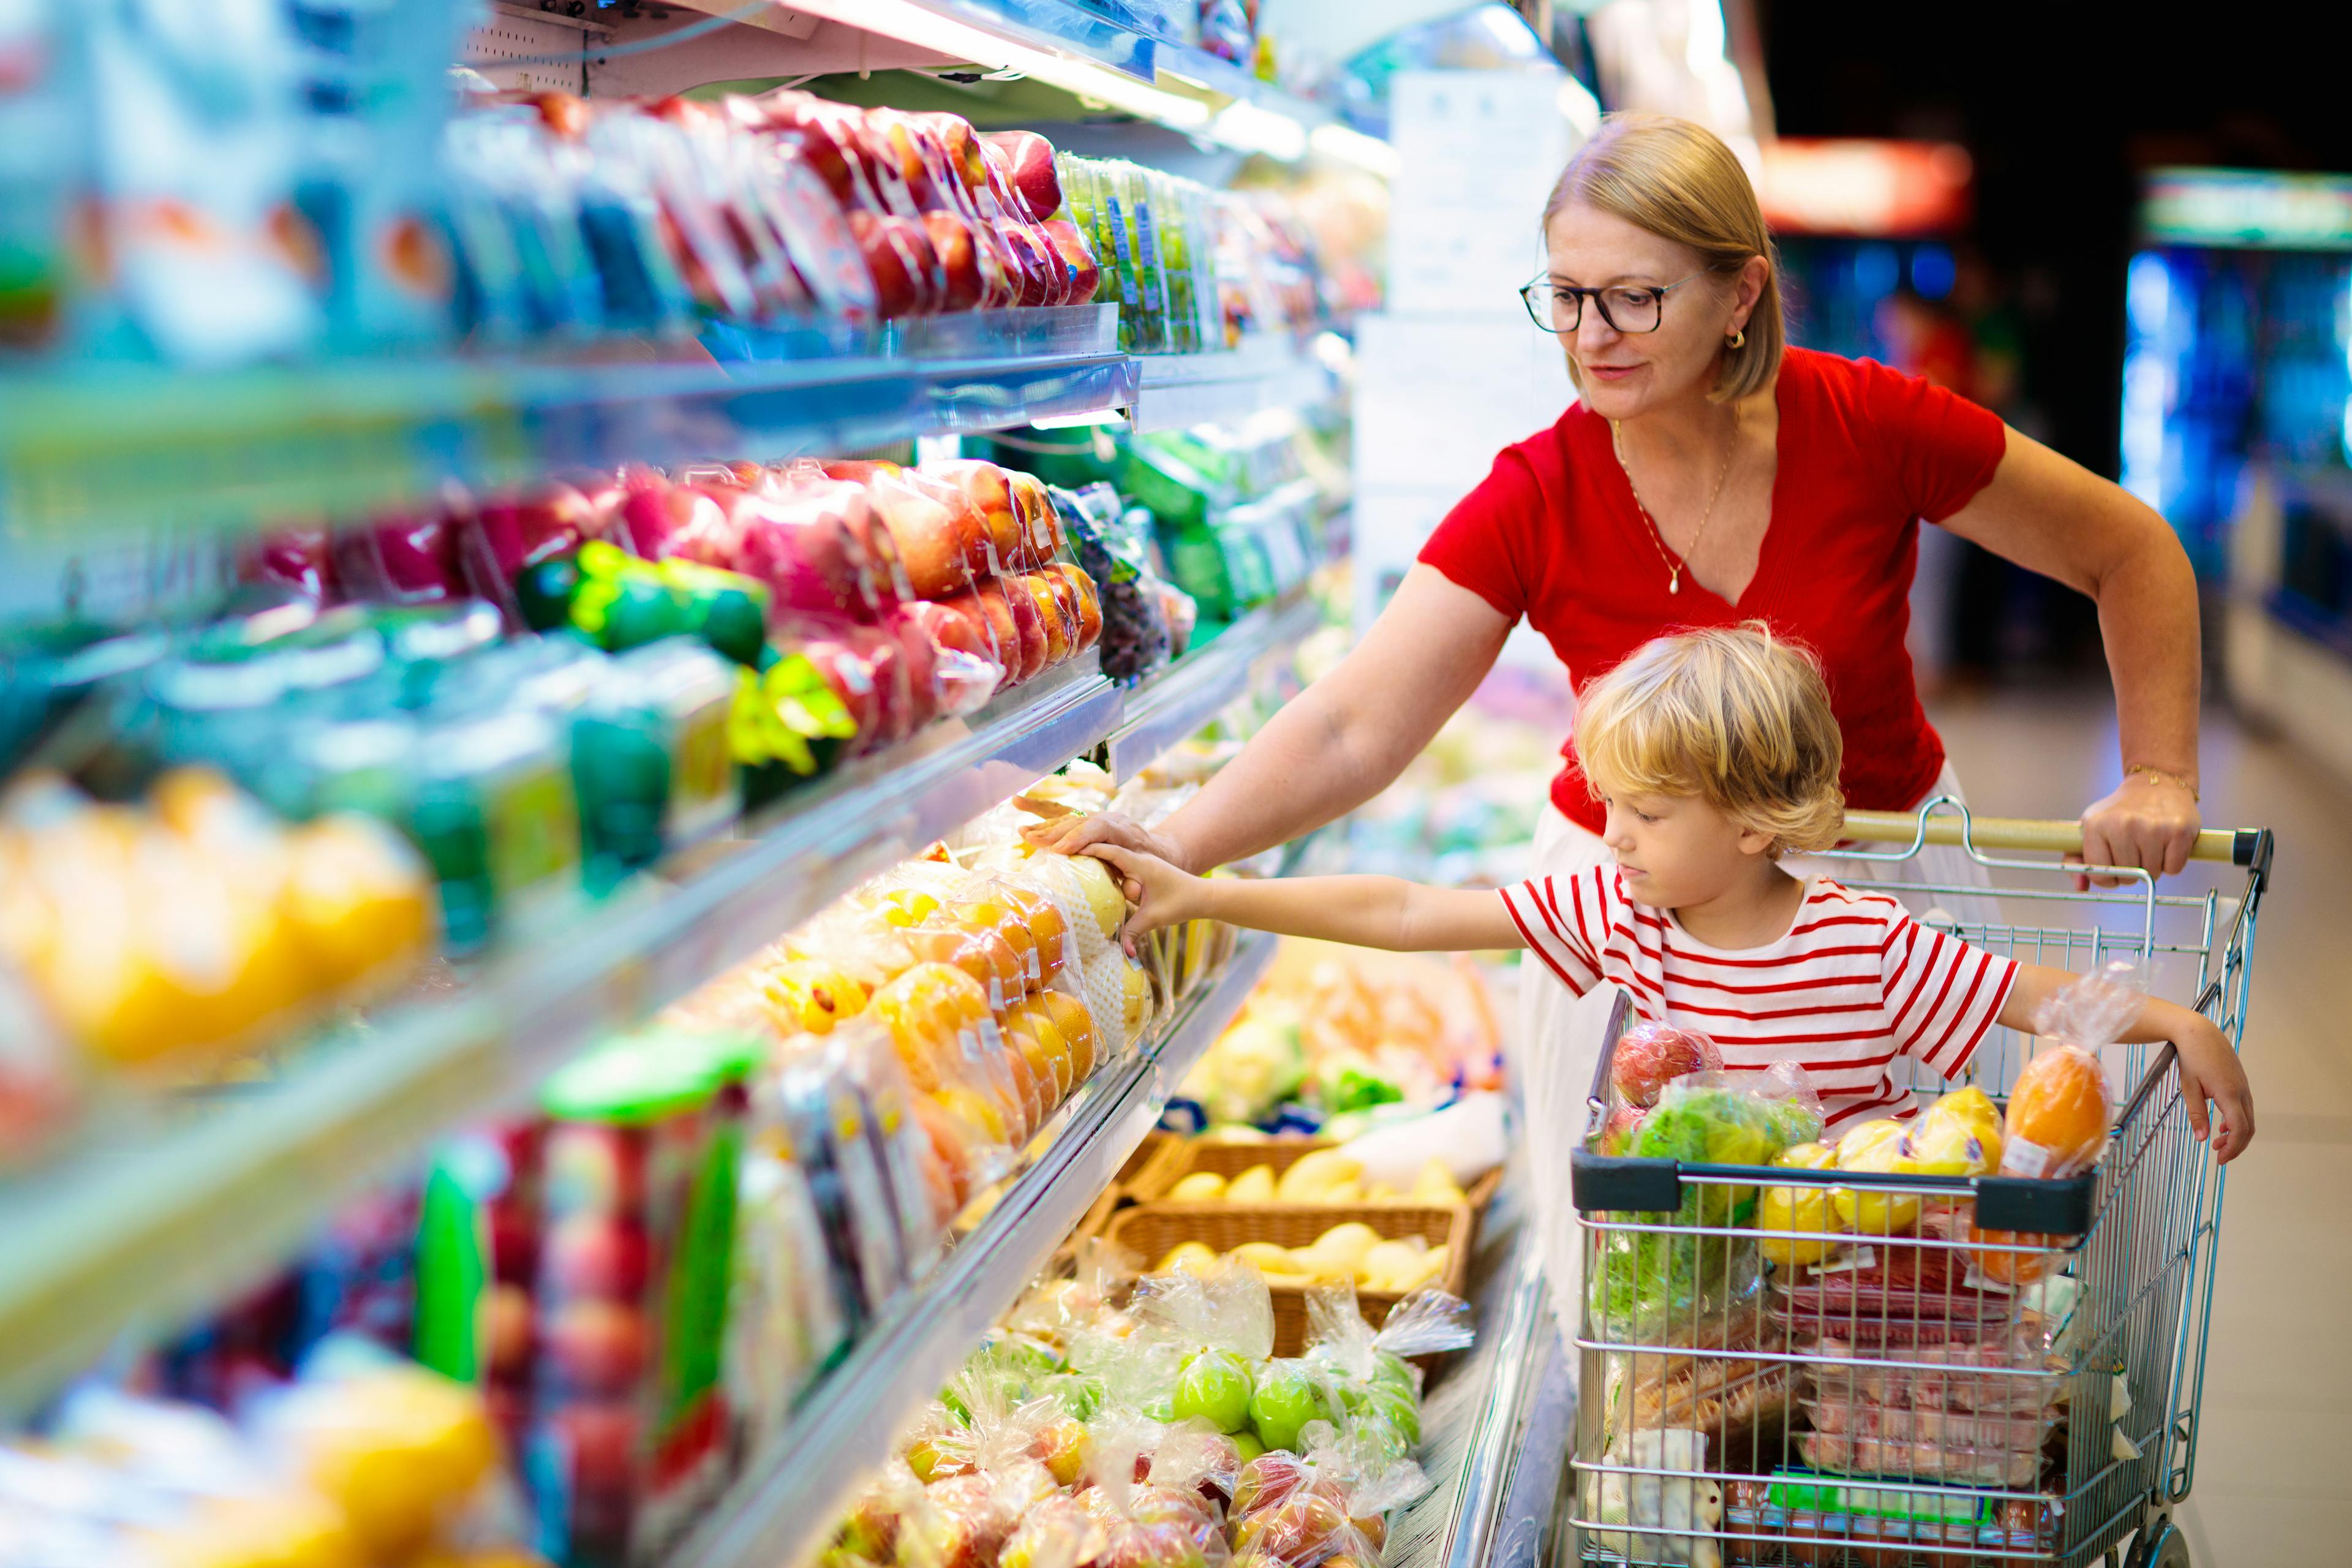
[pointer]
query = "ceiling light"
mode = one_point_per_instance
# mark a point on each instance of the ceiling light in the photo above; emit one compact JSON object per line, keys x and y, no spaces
{"x":1368,"y":152}
{"x":1247,"y":127}
{"x":925,"y":28}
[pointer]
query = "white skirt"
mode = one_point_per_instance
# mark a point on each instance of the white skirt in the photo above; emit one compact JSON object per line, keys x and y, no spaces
{"x":1555,"y":1047}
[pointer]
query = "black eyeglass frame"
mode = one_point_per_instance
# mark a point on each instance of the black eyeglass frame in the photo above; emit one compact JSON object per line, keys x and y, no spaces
{"x":1580,"y":295}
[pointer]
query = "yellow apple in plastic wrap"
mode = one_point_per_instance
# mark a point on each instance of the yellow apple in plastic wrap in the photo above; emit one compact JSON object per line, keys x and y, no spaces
{"x":1875,"y":1146}
{"x":1806,"y":1210}
{"x":1959,"y":1135}
{"x":1103,"y":894}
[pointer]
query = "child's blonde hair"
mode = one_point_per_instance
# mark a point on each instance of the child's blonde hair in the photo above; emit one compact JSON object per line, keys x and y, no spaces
{"x":1729,"y":714}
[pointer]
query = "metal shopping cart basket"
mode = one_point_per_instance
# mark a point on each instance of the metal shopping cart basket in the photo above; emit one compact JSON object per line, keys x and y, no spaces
{"x":1935,"y":1395}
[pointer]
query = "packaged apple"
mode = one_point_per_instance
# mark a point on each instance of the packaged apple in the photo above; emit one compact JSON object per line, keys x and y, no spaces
{"x":1374,"y":1369}
{"x":630,"y":1430}
{"x":790,"y":1305}
{"x":869,"y":178}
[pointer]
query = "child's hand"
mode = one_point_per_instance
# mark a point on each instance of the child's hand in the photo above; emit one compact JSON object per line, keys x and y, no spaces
{"x":1162,"y":895}
{"x":2210,"y":1068}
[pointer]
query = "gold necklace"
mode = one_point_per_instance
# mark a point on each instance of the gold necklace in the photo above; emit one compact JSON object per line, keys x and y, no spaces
{"x":1674,"y":563}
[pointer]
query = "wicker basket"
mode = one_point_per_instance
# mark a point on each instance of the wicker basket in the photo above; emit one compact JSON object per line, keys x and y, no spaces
{"x":1229,"y":1157}
{"x":1142,"y":1176}
{"x":1152,"y":1230}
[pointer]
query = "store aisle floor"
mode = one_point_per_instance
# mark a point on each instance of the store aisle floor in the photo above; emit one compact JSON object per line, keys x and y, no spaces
{"x":2273,"y":1484}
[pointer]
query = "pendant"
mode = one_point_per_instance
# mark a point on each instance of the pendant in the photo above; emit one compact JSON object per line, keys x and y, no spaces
{"x":1674,"y":583}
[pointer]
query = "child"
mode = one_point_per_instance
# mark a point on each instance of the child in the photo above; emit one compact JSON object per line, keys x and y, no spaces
{"x":1716,"y":754}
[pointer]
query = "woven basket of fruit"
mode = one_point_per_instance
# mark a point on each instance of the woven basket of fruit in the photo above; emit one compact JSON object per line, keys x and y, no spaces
{"x":1387,"y":1250}
{"x":1280,"y":1170}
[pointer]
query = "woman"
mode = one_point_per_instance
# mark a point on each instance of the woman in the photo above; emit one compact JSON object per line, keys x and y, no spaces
{"x":1708,"y":476}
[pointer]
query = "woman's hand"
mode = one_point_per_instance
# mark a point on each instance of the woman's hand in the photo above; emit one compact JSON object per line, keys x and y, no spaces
{"x":1162,"y":894}
{"x":1078,"y":835}
{"x":2151,"y":822}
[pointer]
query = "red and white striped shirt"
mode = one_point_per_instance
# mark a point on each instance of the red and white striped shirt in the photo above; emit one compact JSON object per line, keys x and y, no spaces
{"x":1854,"y":984}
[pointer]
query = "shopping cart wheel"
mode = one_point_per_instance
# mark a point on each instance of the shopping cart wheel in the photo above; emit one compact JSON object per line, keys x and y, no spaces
{"x":2165,"y":1547}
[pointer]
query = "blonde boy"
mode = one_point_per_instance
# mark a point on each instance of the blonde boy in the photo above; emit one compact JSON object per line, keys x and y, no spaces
{"x":1716,"y":754}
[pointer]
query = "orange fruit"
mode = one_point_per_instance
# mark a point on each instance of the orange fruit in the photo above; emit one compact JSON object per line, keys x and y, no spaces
{"x":2058,"y":1107}
{"x":809,"y":995}
{"x":1038,"y":1024}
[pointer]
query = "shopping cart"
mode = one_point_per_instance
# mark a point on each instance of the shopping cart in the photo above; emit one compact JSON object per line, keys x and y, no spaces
{"x":2025,"y":1393}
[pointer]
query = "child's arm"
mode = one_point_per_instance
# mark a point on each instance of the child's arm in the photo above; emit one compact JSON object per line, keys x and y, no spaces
{"x":1367,"y":912}
{"x":2209,"y":1068}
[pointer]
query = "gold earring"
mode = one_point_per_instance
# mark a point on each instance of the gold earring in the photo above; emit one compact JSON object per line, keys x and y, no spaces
{"x":1737,"y":340}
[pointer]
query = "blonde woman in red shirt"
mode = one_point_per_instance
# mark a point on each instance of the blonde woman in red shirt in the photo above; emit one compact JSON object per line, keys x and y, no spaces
{"x":1711,"y":475}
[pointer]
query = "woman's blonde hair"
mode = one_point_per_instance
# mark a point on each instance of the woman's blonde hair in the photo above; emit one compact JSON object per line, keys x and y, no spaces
{"x":1678,"y":181}
{"x":1732,"y":715}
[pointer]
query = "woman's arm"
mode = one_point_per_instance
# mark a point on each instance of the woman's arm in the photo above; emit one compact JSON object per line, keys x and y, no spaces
{"x":2053,"y":516}
{"x":1335,"y":744}
{"x":1385,"y":913}
{"x":2209,"y":1068}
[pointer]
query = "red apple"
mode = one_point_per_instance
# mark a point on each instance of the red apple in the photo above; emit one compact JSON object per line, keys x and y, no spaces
{"x":302,"y":559}
{"x":520,"y":530}
{"x":408,"y":558}
{"x":1028,"y":624}
{"x":1028,"y":161}
{"x":507,"y":1328}
{"x":960,"y":261}
{"x":990,"y":491}
{"x":1085,"y":272}
{"x":657,"y":521}
{"x":598,"y":1347}
{"x":963,"y":145}
{"x":937,"y":535}
{"x":901,"y":268}
{"x":591,"y":1255}
{"x":1087,"y":600}
{"x":598,"y":1443}
{"x":563,"y":114}
{"x":993,"y":611}
{"x":1059,"y":620}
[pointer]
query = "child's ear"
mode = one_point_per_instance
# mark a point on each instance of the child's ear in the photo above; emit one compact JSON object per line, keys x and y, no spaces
{"x":1754,"y":842}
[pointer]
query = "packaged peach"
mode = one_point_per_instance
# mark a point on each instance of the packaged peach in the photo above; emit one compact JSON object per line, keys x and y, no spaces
{"x":2058,"y":1118}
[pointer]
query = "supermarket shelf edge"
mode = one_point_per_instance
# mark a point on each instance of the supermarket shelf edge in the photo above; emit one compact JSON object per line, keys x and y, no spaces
{"x":128,"y":1236}
{"x":122,"y":448}
{"x":781,"y":1513}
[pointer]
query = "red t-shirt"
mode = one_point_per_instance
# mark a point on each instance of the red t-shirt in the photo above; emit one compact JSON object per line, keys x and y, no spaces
{"x":1865,"y":452}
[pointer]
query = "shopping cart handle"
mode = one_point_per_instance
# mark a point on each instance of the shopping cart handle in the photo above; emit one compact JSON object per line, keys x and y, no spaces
{"x":2231,"y":846}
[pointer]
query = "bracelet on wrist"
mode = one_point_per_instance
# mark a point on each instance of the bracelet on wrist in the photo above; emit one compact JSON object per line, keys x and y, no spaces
{"x":2163,"y":776}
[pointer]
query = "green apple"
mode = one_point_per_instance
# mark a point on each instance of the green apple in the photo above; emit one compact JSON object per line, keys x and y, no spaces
{"x":1401,"y":1411}
{"x":1396,"y":1372}
{"x":1246,"y":1441}
{"x":1287,"y":1398}
{"x":1215,"y":1387}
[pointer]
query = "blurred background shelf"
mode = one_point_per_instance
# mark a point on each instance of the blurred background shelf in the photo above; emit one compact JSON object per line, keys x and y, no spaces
{"x":795,"y":1495}
{"x":1186,"y":698}
{"x":1178,"y":391}
{"x":153,"y":1217}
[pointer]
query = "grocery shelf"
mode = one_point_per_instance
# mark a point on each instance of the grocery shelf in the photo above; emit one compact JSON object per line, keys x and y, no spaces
{"x":1180,"y":702}
{"x":128,"y":447}
{"x":797,"y":1492}
{"x":93,"y":451}
{"x":1178,"y":391}
{"x":154,"y":1215}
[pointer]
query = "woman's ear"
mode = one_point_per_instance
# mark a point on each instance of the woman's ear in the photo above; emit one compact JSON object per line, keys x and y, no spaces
{"x":1747,"y":289}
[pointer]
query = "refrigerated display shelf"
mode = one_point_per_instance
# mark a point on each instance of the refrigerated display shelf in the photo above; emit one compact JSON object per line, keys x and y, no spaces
{"x":797,"y":1492}
{"x":89,"y":453}
{"x":153,"y":1215}
{"x":1180,"y":391}
{"x":1180,"y":702}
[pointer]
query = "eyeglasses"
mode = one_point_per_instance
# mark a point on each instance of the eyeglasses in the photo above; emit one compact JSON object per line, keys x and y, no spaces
{"x":1557,"y":308}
